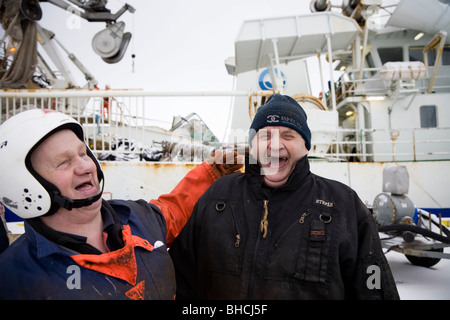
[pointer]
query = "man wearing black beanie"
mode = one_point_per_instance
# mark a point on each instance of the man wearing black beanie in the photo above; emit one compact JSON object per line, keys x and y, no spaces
{"x":281,"y":119}
{"x":279,"y":231}
{"x":281,"y":111}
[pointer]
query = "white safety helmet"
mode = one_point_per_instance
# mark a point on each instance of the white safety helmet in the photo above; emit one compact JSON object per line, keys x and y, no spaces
{"x":22,"y":189}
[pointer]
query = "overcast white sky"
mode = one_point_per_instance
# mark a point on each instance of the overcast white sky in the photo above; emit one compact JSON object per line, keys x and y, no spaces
{"x":180,"y":45}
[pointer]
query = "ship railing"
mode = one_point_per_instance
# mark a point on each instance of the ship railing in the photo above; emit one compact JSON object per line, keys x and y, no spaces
{"x":126,"y":121}
{"x":114,"y":119}
{"x":383,"y":145}
{"x":372,"y":84}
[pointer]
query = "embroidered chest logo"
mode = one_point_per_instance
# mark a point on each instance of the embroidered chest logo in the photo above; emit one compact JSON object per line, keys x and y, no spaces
{"x":325,"y":203}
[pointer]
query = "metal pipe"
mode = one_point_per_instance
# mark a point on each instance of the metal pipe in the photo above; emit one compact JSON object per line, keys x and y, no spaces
{"x":441,"y":37}
{"x":321,"y":79}
{"x":330,"y":59}
{"x":363,"y":53}
{"x":277,"y":72}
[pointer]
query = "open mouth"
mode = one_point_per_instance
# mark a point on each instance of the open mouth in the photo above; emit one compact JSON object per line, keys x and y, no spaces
{"x":278,"y":162}
{"x":85,"y":186}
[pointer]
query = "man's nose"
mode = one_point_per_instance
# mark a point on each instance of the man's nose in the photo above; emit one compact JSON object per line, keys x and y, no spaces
{"x":275,"y":143}
{"x":84,"y":165}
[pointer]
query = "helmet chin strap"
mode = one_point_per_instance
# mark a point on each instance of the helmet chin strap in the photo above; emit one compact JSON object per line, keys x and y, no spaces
{"x":70,"y":204}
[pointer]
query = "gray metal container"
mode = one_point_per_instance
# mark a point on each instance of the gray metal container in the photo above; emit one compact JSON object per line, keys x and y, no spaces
{"x":391,"y":208}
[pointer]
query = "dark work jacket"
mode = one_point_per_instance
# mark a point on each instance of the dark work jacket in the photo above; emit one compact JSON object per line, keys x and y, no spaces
{"x":4,"y":241}
{"x":321,"y":242}
{"x":35,"y":267}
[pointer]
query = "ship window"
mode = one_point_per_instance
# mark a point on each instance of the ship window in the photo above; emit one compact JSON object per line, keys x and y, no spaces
{"x":428,"y":117}
{"x":369,"y":60}
{"x":390,"y":54}
{"x":370,"y":63}
{"x":445,"y":59}
{"x":416,"y":54}
{"x":446,"y":56}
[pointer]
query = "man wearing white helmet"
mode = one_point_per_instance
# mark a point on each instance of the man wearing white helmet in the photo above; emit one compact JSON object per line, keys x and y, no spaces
{"x":77,"y":245}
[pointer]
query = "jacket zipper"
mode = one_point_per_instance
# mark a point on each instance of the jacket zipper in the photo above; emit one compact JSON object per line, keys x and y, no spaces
{"x":263,"y":228}
{"x":238,"y":240}
{"x":238,"y":235}
{"x":265,"y":221}
{"x":302,"y":217}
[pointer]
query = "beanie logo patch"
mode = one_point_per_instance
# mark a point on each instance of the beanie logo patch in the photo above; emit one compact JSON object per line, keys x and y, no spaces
{"x":273,"y":118}
{"x":289,"y":120}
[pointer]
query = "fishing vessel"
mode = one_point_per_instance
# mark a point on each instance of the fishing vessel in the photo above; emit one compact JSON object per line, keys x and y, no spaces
{"x":381,"y":123}
{"x":384,"y":79}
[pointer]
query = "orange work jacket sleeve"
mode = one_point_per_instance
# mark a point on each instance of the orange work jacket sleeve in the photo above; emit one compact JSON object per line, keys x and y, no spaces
{"x":177,"y":206}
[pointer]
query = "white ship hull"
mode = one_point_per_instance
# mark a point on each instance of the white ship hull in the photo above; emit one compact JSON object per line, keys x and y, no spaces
{"x":428,"y":187}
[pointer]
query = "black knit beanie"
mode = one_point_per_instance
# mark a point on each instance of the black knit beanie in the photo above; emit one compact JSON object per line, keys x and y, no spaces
{"x":281,"y":110}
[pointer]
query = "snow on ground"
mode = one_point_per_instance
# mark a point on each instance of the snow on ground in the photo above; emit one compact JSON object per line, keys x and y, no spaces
{"x":419,"y":283}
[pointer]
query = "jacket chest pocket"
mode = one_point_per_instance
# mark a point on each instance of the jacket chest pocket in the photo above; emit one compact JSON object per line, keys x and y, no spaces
{"x":315,"y":252}
{"x":303,"y":252}
{"x":224,"y":239}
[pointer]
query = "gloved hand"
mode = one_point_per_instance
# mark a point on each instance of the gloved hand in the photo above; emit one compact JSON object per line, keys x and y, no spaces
{"x":223,"y":164}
